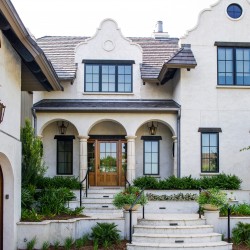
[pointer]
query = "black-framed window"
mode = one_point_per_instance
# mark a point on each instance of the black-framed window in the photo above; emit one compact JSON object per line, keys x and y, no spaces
{"x":234,"y":66}
{"x":108,"y":76}
{"x":64,"y":155}
{"x":151,"y":156}
{"x":210,"y":152}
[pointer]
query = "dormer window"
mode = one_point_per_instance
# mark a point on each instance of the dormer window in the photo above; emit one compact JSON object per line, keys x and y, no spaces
{"x":108,"y":76}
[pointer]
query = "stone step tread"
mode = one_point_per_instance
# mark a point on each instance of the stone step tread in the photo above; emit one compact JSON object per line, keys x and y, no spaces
{"x":174,"y":227}
{"x":181,"y":245}
{"x":175,"y":219}
{"x":176,"y":235}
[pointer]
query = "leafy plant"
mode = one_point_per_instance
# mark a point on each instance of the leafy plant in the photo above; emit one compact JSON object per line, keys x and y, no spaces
{"x":105,"y":232}
{"x":28,"y":196}
{"x":68,"y":243}
{"x":212,"y":196}
{"x":96,"y":245}
{"x":31,"y":243}
{"x":31,"y":215}
{"x":33,"y":166}
{"x":236,"y":210}
{"x":128,"y":197}
{"x":46,"y":245}
{"x":52,"y":201}
{"x":241,"y":233}
{"x":56,"y":245}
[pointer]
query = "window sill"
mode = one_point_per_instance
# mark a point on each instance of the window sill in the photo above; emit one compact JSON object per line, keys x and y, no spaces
{"x":209,"y":174}
{"x":151,"y":175}
{"x":106,"y":93}
{"x":232,"y":87}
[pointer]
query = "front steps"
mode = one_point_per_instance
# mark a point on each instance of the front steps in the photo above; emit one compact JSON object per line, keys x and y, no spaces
{"x":99,"y":201}
{"x":175,"y":232}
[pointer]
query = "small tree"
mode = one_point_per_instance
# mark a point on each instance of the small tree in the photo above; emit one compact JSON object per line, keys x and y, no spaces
{"x":33,"y":166}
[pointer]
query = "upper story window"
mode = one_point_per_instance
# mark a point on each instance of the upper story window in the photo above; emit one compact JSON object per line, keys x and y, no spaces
{"x":234,"y":11}
{"x":108,"y":76}
{"x":233,"y":66}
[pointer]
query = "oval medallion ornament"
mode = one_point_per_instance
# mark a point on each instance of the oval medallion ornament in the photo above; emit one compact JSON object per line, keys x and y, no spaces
{"x":108,"y":45}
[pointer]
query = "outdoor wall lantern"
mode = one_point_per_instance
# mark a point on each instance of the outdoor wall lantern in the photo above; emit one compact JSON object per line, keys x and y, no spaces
{"x":62,"y":127}
{"x":2,"y":111}
{"x":153,"y":128}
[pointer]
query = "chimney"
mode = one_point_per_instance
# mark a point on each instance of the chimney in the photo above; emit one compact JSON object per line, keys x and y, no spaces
{"x":158,"y":32}
{"x":159,"y":27}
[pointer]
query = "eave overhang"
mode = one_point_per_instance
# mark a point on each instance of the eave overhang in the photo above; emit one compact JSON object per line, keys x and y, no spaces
{"x":31,"y":54}
{"x":106,"y":106}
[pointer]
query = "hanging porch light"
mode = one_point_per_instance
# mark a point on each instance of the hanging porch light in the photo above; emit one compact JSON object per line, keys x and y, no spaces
{"x":152,"y":128}
{"x":62,"y":127}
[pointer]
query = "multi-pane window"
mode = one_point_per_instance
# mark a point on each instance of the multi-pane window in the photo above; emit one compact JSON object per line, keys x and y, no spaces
{"x":65,"y":155}
{"x":210,"y":152}
{"x":108,"y":78}
{"x":233,"y":66}
{"x":151,"y":157}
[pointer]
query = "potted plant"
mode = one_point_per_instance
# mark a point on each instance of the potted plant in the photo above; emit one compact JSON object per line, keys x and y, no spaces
{"x":126,"y":198}
{"x":212,"y":199}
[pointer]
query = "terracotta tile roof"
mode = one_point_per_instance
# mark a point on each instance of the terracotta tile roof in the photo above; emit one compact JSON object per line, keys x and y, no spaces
{"x":60,"y":50}
{"x":103,"y":105}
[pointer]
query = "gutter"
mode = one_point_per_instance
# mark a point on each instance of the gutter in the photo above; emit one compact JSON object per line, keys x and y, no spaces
{"x":35,"y":120}
{"x":179,"y":144}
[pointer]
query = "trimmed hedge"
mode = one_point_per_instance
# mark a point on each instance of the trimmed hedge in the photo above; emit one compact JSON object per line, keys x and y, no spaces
{"x":58,"y":182}
{"x":221,"y":181}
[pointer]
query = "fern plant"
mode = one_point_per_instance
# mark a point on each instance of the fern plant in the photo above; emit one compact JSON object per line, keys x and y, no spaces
{"x":105,"y":233}
{"x":31,"y":243}
{"x":241,"y":233}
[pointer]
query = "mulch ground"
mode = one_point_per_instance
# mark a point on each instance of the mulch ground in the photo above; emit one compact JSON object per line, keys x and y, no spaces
{"x":240,"y":247}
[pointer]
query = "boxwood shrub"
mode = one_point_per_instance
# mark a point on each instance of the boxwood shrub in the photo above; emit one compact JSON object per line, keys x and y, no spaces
{"x":221,"y":181}
{"x":58,"y":182}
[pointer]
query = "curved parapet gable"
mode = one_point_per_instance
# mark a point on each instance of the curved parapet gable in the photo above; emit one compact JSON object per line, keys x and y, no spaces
{"x":108,"y":43}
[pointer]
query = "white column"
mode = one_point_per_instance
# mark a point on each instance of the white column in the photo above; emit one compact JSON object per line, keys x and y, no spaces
{"x":130,"y":158}
{"x":175,"y":154}
{"x":83,"y":156}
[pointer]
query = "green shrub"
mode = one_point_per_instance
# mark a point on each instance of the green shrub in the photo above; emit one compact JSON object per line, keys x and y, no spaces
{"x":68,"y":243}
{"x":31,"y":215}
{"x":173,"y":197}
{"x":221,"y":181}
{"x":46,"y":245}
{"x":241,"y":233}
{"x":56,"y":245}
{"x":32,"y":156}
{"x":58,"y":182}
{"x":236,"y":210}
{"x":28,"y":197}
{"x":105,"y":232}
{"x":52,"y":201}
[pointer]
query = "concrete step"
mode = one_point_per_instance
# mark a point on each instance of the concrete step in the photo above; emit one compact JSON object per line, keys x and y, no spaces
{"x":171,"y":222}
{"x":95,"y":200}
{"x":101,"y":210}
{"x":197,"y":246}
{"x":177,"y":238}
{"x":173,"y":229}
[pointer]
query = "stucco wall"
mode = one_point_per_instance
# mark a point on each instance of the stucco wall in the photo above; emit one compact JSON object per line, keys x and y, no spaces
{"x":10,"y":146}
{"x":204,"y":104}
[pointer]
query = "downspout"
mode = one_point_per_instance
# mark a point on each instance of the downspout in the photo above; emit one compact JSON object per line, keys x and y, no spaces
{"x":179,"y":143}
{"x":35,"y":120}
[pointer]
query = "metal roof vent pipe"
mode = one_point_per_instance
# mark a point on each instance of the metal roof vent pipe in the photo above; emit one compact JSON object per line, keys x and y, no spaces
{"x":158,"y":32}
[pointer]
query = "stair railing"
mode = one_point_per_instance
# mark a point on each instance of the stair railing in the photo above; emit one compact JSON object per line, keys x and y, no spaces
{"x":228,"y":213}
{"x":130,"y":214}
{"x":86,"y":178}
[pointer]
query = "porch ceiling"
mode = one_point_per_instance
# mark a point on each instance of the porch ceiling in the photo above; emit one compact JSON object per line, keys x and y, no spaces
{"x":81,"y":105}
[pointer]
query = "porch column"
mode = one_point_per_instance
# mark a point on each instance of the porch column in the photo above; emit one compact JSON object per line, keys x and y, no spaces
{"x":130,"y":158}
{"x":83,"y":156}
{"x":175,"y":154}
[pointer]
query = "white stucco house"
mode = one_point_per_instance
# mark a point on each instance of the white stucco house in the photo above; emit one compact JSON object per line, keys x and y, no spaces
{"x":23,"y":68}
{"x":156,"y":106}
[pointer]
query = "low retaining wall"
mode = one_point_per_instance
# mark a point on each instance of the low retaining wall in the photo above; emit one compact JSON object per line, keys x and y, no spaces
{"x":59,"y":230}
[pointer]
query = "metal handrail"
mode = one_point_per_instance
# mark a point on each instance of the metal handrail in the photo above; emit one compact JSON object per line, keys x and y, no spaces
{"x":86,"y":178}
{"x":228,"y":213}
{"x":130,"y":214}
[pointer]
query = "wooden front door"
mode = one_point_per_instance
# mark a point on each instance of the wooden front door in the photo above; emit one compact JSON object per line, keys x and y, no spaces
{"x":106,"y":161}
{"x":1,"y":208}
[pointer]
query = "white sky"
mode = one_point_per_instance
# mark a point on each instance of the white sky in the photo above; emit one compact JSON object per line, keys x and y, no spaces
{"x":134,"y":17}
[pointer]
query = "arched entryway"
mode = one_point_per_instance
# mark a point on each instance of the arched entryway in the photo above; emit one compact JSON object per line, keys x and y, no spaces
{"x":1,"y":208}
{"x":107,"y":154}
